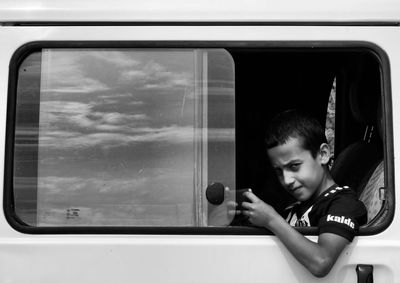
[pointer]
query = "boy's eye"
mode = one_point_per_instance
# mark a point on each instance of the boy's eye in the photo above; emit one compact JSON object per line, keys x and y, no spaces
{"x":294,"y":166}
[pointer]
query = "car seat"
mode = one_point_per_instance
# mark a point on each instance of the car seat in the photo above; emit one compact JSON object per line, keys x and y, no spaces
{"x":360,"y":165}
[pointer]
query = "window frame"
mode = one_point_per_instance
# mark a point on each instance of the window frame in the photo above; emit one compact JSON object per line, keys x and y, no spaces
{"x":28,"y":48}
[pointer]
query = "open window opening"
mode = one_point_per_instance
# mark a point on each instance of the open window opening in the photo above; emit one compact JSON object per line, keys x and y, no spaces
{"x":343,"y":90}
{"x":134,"y":137}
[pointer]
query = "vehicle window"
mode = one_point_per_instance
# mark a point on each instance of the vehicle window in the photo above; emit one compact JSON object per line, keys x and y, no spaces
{"x":122,"y":137}
{"x":169,"y":137}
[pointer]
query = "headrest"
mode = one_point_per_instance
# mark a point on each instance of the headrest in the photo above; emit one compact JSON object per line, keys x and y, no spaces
{"x":363,"y":105}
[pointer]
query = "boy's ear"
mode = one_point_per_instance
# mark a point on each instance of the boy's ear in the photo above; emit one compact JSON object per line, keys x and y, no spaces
{"x":325,"y":153}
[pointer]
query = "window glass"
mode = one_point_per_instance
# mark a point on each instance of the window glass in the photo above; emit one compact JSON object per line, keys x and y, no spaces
{"x":123,"y":137}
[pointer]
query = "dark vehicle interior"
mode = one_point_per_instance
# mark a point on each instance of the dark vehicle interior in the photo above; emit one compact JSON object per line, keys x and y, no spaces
{"x":269,"y":81}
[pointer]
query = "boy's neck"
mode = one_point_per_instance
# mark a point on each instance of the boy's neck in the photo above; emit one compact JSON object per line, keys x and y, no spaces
{"x":326,"y":183}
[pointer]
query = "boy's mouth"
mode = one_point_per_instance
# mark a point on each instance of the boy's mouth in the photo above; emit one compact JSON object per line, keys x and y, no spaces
{"x":295,"y":189}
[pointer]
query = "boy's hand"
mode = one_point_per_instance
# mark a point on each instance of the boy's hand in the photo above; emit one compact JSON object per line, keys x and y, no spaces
{"x":258,"y":212}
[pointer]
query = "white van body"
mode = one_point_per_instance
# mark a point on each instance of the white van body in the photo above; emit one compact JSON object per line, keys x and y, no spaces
{"x":132,"y":257}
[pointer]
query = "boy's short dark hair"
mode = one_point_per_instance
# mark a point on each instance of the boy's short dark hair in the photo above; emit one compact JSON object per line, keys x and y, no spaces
{"x":295,"y":124}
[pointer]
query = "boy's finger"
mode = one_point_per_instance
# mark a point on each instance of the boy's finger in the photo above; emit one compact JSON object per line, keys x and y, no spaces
{"x":246,"y":205}
{"x":252,"y":197}
{"x":246,"y":213}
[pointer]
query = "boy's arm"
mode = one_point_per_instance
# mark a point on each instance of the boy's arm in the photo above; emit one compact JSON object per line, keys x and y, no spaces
{"x":318,"y":257}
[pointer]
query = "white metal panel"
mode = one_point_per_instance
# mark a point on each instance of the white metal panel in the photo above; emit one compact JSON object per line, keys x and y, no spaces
{"x":114,"y":258}
{"x":205,"y":10}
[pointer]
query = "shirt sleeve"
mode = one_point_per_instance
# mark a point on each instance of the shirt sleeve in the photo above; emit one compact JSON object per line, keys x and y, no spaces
{"x":343,"y":216}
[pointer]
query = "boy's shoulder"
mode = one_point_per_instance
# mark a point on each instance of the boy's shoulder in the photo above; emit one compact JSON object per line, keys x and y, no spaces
{"x":342,"y":201}
{"x":340,"y":197}
{"x":335,"y":192}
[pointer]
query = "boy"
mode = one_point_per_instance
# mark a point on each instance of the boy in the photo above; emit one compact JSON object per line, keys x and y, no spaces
{"x":299,"y":153}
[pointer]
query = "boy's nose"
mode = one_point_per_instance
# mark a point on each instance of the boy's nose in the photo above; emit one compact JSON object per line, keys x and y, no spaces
{"x":287,"y":179}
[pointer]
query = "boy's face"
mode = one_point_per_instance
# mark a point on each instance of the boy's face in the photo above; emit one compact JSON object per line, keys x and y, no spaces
{"x":302,"y":175}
